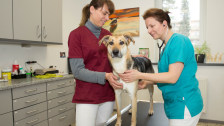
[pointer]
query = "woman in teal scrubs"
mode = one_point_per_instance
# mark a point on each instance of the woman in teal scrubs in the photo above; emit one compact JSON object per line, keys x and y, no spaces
{"x":176,"y":71}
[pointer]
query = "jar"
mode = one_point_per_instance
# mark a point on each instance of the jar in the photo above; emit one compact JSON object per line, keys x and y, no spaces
{"x":28,"y":75}
{"x":6,"y":74}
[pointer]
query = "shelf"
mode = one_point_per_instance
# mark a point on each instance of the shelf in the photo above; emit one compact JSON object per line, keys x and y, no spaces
{"x":26,"y":42}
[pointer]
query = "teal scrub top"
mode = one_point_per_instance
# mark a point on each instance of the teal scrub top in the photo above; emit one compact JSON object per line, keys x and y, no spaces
{"x":185,"y":91}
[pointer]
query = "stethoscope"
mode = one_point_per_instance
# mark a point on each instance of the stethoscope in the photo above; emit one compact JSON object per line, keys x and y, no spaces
{"x":160,"y":46}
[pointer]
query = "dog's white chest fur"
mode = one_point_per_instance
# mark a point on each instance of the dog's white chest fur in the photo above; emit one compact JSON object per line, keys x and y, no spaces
{"x":119,"y":65}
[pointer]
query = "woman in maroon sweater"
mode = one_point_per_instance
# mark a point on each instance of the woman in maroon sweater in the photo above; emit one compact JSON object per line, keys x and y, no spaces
{"x":94,"y":94}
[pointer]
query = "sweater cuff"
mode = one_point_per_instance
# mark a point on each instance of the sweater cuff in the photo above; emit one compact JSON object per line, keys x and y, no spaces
{"x":101,"y":78}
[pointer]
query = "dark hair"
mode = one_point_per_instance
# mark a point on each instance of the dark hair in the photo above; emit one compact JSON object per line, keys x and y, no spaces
{"x":159,"y":15}
{"x":96,"y":4}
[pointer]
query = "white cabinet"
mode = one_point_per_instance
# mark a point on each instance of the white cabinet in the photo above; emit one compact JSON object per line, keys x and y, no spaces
{"x":29,"y":105}
{"x":61,"y":110}
{"x":6,"y":19}
{"x":6,"y":101}
{"x":6,"y":119}
{"x":38,"y":20}
{"x":6,"y":108}
{"x":27,"y":19}
{"x":52,"y":21}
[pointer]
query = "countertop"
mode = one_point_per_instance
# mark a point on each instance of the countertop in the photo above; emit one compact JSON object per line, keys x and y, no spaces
{"x":15,"y":83}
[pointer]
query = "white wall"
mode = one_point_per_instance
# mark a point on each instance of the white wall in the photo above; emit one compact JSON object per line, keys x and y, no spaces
{"x":215,"y":25}
{"x":49,"y":55}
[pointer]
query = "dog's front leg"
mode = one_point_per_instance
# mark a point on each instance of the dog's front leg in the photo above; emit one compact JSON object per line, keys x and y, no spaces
{"x":151,"y":91}
{"x":132,"y":90}
{"x":118,"y":105}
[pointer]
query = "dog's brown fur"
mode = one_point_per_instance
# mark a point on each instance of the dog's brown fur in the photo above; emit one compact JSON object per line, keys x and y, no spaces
{"x":121,"y":60}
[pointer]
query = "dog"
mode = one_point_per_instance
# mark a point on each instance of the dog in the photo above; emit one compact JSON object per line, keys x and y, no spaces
{"x":121,"y":60}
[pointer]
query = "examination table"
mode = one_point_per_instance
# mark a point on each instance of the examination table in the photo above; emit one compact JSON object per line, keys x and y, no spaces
{"x":157,"y":119}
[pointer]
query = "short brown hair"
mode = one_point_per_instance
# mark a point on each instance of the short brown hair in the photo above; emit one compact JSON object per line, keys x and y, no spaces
{"x":96,"y":4}
{"x":159,"y":15}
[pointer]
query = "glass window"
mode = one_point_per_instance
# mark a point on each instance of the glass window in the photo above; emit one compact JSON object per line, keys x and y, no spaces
{"x":185,"y":18}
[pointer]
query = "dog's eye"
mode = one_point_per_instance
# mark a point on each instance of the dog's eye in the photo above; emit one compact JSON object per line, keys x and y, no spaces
{"x":121,"y":43}
{"x":111,"y":43}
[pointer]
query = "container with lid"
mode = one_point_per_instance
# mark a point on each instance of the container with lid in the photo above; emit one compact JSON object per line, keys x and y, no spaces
{"x":6,"y":73}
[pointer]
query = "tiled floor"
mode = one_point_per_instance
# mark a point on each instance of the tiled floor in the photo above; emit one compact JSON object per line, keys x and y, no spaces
{"x":199,"y":124}
{"x":209,"y":124}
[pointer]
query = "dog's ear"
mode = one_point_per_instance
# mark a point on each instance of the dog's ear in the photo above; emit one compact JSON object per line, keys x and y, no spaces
{"x":104,"y":40}
{"x":129,"y":38}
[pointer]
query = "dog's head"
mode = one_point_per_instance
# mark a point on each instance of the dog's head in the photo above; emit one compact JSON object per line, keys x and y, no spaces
{"x":117,"y":46}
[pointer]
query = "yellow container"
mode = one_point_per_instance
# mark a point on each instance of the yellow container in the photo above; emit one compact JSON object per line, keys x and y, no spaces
{"x":6,"y":74}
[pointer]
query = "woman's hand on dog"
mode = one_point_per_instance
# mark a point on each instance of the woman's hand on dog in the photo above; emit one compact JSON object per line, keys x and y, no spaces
{"x":130,"y":75}
{"x":142,"y":84}
{"x":113,"y":81}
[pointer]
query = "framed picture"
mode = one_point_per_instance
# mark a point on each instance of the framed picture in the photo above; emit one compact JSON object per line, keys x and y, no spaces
{"x":62,"y":54}
{"x":144,"y":51}
{"x":124,"y":21}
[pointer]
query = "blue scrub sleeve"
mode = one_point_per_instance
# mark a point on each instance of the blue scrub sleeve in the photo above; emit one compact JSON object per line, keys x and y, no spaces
{"x":177,"y":53}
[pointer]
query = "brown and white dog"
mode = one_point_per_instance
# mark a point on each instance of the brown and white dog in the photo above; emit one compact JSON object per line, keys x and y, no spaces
{"x":121,"y":60}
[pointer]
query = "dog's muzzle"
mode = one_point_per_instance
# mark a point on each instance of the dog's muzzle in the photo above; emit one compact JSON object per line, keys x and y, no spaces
{"x":116,"y":53}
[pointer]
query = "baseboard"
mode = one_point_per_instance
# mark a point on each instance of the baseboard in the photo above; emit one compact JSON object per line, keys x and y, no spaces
{"x":211,"y":121}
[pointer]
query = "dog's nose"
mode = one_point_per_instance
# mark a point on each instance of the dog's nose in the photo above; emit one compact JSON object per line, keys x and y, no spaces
{"x":115,"y":52}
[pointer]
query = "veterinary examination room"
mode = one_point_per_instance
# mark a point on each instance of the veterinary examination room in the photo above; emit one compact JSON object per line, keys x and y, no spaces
{"x":111,"y":63}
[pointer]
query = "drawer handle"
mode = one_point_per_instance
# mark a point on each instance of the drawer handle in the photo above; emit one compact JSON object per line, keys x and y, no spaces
{"x":62,"y":101}
{"x":63,"y":109}
{"x":63,"y":117}
{"x":59,"y":85}
{"x":30,"y":112}
{"x":33,"y":121}
{"x":34,"y":100}
{"x":62,"y":92}
{"x":32,"y":90}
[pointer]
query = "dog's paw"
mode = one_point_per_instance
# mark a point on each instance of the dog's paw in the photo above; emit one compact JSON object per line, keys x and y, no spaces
{"x":150,"y":113}
{"x":130,"y":112}
{"x":118,"y":124}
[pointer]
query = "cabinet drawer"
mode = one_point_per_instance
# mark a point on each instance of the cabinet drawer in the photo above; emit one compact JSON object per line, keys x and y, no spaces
{"x":44,"y":123}
{"x":28,"y":90}
{"x":29,"y":111}
{"x":63,"y":119}
{"x":32,"y":120}
{"x":28,"y":101}
{"x":59,"y":84}
{"x":6,"y":101}
{"x":60,"y":109}
{"x":6,"y":119}
{"x":60,"y":92}
{"x":60,"y":101}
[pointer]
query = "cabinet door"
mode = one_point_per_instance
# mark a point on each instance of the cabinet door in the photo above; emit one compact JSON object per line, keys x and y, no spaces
{"x":6,"y":119}
{"x":6,"y":19}
{"x":6,"y":101}
{"x":52,"y":21}
{"x":27,"y":19}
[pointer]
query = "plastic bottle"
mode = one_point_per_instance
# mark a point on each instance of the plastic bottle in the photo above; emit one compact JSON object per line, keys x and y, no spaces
{"x":21,"y":70}
{"x":15,"y":67}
